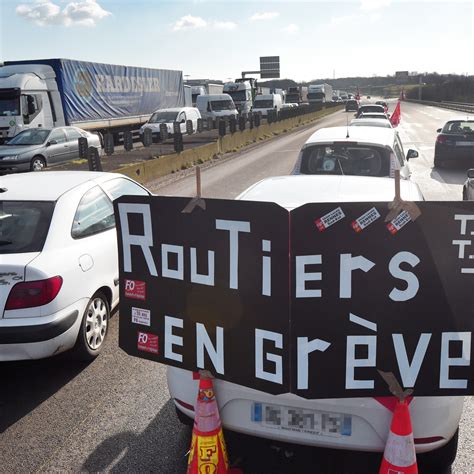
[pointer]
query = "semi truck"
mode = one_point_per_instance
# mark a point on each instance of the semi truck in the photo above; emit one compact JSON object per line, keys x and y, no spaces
{"x":203,"y":89}
{"x":93,"y":96}
{"x":319,"y":93}
{"x":243,"y":92}
{"x":297,"y":95}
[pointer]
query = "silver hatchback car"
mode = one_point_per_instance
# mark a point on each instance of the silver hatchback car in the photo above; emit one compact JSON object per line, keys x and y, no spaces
{"x":36,"y":148}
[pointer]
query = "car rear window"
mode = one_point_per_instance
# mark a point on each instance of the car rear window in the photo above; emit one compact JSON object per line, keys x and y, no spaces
{"x":459,"y":126}
{"x":371,"y":108}
{"x":24,"y":225}
{"x":354,"y":160}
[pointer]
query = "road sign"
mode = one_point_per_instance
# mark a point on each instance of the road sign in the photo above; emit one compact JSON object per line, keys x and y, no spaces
{"x":269,"y":67}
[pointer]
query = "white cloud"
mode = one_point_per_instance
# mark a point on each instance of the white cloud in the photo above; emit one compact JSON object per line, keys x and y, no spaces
{"x":369,"y":5}
{"x":225,"y":25}
{"x":264,"y":16}
{"x":46,"y":12}
{"x":291,"y":28}
{"x":374,"y":17}
{"x":189,"y":22}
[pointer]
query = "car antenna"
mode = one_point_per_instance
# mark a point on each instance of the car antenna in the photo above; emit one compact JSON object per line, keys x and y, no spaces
{"x":347,"y":126}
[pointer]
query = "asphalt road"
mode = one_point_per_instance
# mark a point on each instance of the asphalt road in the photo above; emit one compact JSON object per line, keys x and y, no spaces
{"x":115,"y":415}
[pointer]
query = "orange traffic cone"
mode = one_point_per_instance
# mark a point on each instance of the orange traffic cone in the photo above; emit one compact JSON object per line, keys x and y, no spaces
{"x":399,"y":456}
{"x":208,"y":454}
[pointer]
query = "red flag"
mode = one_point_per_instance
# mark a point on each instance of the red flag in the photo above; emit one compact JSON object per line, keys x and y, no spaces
{"x":396,"y":116}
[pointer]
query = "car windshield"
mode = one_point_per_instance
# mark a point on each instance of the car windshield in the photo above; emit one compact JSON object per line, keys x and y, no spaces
{"x":354,"y":160}
{"x":372,"y":123}
{"x":371,"y":108}
{"x":237,"y":95}
{"x":218,"y":105}
{"x":316,"y":95}
{"x":9,"y":107}
{"x":163,"y":117}
{"x":34,"y":136}
{"x":459,"y":126}
{"x":373,"y":116}
{"x":24,"y":225}
{"x":263,"y":104}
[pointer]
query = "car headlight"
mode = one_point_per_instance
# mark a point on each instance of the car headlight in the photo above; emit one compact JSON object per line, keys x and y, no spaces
{"x":11,"y":157}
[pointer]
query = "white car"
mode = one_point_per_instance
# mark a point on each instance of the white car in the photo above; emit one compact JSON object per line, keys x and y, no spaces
{"x":58,"y":261}
{"x":358,"y":151}
{"x":168,"y":117}
{"x":366,"y":420}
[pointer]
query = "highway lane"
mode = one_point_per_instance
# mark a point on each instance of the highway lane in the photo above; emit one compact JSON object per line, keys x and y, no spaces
{"x":115,"y":415}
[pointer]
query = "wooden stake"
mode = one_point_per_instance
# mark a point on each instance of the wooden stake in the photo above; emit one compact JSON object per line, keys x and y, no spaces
{"x":198,"y":181}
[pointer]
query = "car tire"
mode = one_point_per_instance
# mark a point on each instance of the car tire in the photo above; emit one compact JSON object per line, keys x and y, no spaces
{"x":94,"y":328}
{"x":183,"y":419}
{"x":440,"y":460}
{"x":38,"y":163}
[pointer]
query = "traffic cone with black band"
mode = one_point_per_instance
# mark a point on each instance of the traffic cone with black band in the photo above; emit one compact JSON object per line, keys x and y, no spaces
{"x":399,"y":456}
{"x":208,"y":453}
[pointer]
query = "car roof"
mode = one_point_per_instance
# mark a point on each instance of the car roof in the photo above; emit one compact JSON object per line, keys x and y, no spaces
{"x":375,"y":135}
{"x":175,"y":109}
{"x":372,"y":105}
{"x":296,"y":190}
{"x":47,"y":185}
{"x":461,"y":118}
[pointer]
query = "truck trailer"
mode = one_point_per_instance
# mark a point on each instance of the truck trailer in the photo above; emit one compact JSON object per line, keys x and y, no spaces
{"x":297,"y":95}
{"x":319,"y":93}
{"x":93,"y":96}
{"x":204,"y":89}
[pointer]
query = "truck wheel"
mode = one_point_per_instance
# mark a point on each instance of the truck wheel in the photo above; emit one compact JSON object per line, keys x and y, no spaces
{"x":94,"y":328}
{"x":38,"y":163}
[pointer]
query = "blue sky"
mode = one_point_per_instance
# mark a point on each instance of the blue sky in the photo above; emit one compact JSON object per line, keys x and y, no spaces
{"x":219,"y":39}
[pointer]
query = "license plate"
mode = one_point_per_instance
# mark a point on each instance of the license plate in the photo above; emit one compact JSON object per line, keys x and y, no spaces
{"x":300,"y":420}
{"x":465,"y":143}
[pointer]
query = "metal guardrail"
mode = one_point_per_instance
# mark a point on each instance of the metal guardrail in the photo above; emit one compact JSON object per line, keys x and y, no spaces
{"x":461,"y":106}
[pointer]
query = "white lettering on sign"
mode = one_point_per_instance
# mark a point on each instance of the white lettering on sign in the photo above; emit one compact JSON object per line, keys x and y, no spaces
{"x":348,"y":264}
{"x":145,"y":241}
{"x":446,"y":362}
{"x":266,"y":269}
{"x":409,"y":372}
{"x":166,"y":271}
{"x":464,"y":243}
{"x":200,"y":278}
{"x":120,"y":84}
{"x":233,"y":227}
{"x":171,"y":339}
{"x":304,"y":348}
{"x":413,"y":285}
{"x":302,"y":277}
{"x":216,"y":354}
{"x":260,"y":373}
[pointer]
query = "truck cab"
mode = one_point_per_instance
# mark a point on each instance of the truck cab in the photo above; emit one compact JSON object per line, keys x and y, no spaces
{"x":27,"y":96}
{"x":242,"y":95}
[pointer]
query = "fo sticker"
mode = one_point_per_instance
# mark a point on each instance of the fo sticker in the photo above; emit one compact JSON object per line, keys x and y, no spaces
{"x":141,"y":316}
{"x":135,"y":289}
{"x":147,"y":342}
{"x":365,"y":220}
{"x":400,"y":221}
{"x":329,"y":219}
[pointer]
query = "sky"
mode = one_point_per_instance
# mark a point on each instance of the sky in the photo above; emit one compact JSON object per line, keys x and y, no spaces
{"x":219,"y":39}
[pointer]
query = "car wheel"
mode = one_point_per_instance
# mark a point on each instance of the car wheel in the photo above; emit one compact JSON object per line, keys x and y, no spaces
{"x":440,"y":460}
{"x":94,"y":328}
{"x":38,"y":163}
{"x":184,"y":419}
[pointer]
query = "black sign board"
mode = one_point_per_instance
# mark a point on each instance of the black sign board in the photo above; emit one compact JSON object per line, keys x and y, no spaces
{"x":269,"y":67}
{"x":311,"y":302}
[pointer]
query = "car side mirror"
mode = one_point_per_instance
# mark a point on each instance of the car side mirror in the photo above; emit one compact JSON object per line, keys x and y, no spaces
{"x":439,"y":130}
{"x":52,"y":142}
{"x":412,"y":154}
{"x":470,"y":173}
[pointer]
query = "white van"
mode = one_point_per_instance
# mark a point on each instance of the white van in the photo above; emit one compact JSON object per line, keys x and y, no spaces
{"x":264,"y":102}
{"x":216,"y":105}
{"x":168,"y":116}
